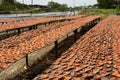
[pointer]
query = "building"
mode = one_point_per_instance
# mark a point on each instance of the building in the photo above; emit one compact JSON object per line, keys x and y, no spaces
{"x":42,"y":7}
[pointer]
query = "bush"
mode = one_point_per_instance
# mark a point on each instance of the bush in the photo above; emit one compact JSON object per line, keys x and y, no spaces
{"x":6,"y":6}
{"x":118,"y":7}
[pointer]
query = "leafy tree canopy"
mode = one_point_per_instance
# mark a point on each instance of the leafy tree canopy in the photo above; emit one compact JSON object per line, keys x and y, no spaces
{"x":57,"y":7}
{"x":106,"y":4}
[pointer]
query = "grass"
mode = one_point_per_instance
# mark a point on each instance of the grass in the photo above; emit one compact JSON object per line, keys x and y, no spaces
{"x":37,"y":11}
{"x":102,"y":12}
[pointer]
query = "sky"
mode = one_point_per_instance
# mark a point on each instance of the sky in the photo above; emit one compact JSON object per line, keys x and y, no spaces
{"x":68,"y":2}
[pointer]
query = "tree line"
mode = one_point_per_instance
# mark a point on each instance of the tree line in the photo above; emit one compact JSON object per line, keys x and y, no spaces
{"x":108,"y":4}
{"x":54,"y":6}
{"x":10,"y":5}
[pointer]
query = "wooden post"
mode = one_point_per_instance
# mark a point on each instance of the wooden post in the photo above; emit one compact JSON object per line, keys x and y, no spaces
{"x":94,"y":22}
{"x":67,"y":42}
{"x":98,"y":20}
{"x":75,"y":34}
{"x":56,"y":48}
{"x":7,"y":32}
{"x":27,"y":63}
{"x":36,"y":26}
{"x":19,"y":31}
{"x":30,"y":28}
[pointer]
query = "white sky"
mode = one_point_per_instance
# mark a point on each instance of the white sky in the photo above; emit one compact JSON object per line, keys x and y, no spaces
{"x":68,"y":2}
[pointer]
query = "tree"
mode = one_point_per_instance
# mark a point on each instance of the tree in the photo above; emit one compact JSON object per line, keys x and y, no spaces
{"x":8,"y":5}
{"x":57,"y":7}
{"x":116,"y":2}
{"x":118,"y":7}
{"x":9,"y":1}
{"x":106,"y":4}
{"x":63,"y":7}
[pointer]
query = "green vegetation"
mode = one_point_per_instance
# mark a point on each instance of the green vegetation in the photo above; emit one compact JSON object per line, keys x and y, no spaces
{"x":108,"y":4}
{"x":54,"y":6}
{"x":105,"y":8}
{"x":57,"y":7}
{"x":118,"y":7}
{"x":6,"y":6}
{"x":9,"y":1}
{"x":9,"y":7}
{"x":102,"y":12}
{"x":36,"y":11}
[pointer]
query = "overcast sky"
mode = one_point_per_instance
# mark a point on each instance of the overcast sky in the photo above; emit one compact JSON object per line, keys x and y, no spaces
{"x":68,"y":2}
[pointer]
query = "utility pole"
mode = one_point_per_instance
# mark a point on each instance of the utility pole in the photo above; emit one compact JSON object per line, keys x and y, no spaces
{"x":15,"y":8}
{"x":85,"y":8}
{"x":74,"y":6}
{"x":31,"y":6}
{"x":23,"y":10}
{"x":23,"y":6}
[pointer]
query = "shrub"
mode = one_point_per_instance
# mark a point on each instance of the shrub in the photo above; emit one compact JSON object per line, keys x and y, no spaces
{"x":118,"y":7}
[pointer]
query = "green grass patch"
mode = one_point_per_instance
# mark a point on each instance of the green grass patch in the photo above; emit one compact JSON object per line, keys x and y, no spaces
{"x":38,"y":11}
{"x":102,"y":12}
